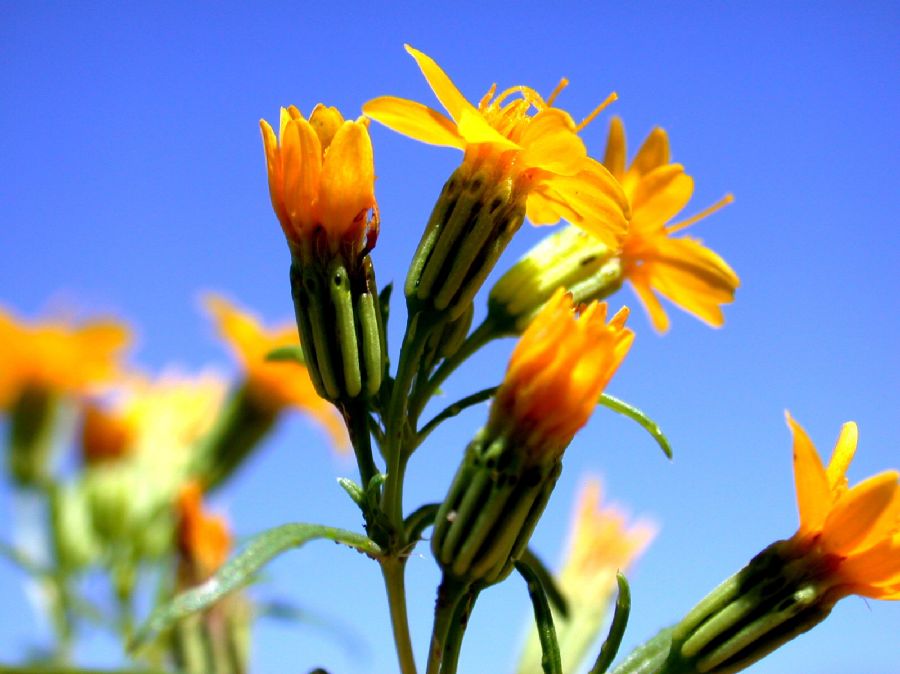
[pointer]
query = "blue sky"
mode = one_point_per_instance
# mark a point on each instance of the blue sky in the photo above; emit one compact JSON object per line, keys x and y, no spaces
{"x":132,"y":178}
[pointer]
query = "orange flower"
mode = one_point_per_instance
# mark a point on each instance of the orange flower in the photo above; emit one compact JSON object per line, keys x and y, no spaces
{"x":105,"y":436}
{"x":273,"y":385}
{"x":57,"y":357}
{"x":204,"y":540}
{"x":525,"y":139}
{"x":322,"y":178}
{"x":681,"y":269}
{"x":558,"y":370}
{"x":858,"y":528}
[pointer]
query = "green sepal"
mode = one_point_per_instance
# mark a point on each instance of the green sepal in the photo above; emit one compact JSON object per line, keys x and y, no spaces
{"x":551,"y":662}
{"x":616,"y":629}
{"x":241,"y":569}
{"x":645,"y":422}
{"x":345,"y":324}
{"x":292,"y":353}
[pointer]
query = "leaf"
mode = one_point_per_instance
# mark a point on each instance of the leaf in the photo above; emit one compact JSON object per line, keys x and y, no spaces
{"x":419,"y":520}
{"x":543,"y":619}
{"x":616,"y":629}
{"x":354,"y":491}
{"x":293,"y":352}
{"x":554,"y":594}
{"x":642,"y":419}
{"x":239,"y":570}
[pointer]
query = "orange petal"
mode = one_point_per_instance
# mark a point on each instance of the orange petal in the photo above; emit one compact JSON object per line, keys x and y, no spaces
{"x":551,"y":143}
{"x":273,"y":169}
{"x":414,"y":120}
{"x":325,"y":121}
{"x":813,"y":494}
{"x":615,"y":156}
{"x":348,"y":178}
{"x":474,"y":128}
{"x":877,"y":565}
{"x":659,"y":195}
{"x":653,"y":153}
{"x":651,"y":304}
{"x":864,"y":515}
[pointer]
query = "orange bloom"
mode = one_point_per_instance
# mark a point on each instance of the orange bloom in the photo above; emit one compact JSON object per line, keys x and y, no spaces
{"x":681,"y":269}
{"x":858,"y":528}
{"x":204,"y":540}
{"x":57,"y":357}
{"x":274,"y":385}
{"x":322,"y":178}
{"x":558,"y":370}
{"x":525,"y":139}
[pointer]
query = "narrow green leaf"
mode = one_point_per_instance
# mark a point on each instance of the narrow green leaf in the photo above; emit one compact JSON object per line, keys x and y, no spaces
{"x":616,"y":629}
{"x":642,"y":419}
{"x":241,"y":569}
{"x":452,"y":410}
{"x":293,"y":352}
{"x":419,"y":520}
{"x":554,"y":594}
{"x":543,"y":618}
{"x":353,"y":490}
{"x":23,"y":561}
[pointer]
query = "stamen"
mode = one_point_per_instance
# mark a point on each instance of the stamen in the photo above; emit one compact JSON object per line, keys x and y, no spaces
{"x":721,"y":203}
{"x":590,"y":118}
{"x":486,"y":99}
{"x":527,"y":93}
{"x":563,"y":83}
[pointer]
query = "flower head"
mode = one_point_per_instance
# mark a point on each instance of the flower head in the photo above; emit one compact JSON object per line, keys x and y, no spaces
{"x":322,"y":179}
{"x":858,"y":528}
{"x":519,"y":135}
{"x":274,"y":385}
{"x":681,"y":269}
{"x":58,"y":357}
{"x":204,"y":540}
{"x":558,"y":370}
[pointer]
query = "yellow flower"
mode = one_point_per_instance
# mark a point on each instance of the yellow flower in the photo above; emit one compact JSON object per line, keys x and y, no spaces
{"x":525,"y":139}
{"x":558,"y":370}
{"x":274,"y":385}
{"x":204,"y":540}
{"x":322,"y":178}
{"x":858,"y":528}
{"x":681,"y":269}
{"x":57,"y":357}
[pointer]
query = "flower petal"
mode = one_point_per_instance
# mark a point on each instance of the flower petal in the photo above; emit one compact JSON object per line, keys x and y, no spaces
{"x":653,"y":153}
{"x":659,"y":196}
{"x":474,"y":128}
{"x":879,"y":565}
{"x":301,"y":157}
{"x":326,"y":121}
{"x":348,"y":178}
{"x":273,"y":169}
{"x":414,"y":120}
{"x":442,"y":86}
{"x":616,"y":152}
{"x":864,"y":515}
{"x":551,"y":143}
{"x":843,"y":453}
{"x":641,"y":285}
{"x":813,"y":494}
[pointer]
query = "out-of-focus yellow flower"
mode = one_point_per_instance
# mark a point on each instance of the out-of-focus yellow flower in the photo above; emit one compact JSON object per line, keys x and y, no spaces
{"x":681,"y":269}
{"x":204,"y":540}
{"x":322,"y":179}
{"x":857,"y":530}
{"x":274,"y":385}
{"x":601,"y":543}
{"x":558,"y":370}
{"x":56,"y":356}
{"x":520,"y":136}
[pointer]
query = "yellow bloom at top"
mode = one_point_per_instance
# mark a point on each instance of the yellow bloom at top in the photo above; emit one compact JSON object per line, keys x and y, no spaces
{"x":856,"y":530}
{"x":322,"y":179}
{"x":558,"y":370}
{"x":274,"y":385}
{"x":57,"y":357}
{"x":681,"y":269}
{"x":520,"y":135}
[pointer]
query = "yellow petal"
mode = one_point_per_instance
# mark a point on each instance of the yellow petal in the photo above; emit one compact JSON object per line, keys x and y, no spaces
{"x":348,"y":178}
{"x":659,"y":196}
{"x":474,"y":128}
{"x":326,"y":121}
{"x":652,"y":154}
{"x":302,"y":166}
{"x":551,"y":143}
{"x":879,"y":565}
{"x":651,"y":304}
{"x":273,"y":169}
{"x":615,"y":156}
{"x":442,"y":86}
{"x":414,"y":120}
{"x":864,"y":516}
{"x":238,"y":329}
{"x":813,"y":494}
{"x":843,"y":453}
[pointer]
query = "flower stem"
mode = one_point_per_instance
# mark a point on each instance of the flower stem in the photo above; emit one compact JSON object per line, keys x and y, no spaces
{"x":450,"y":594}
{"x":393,"y":570}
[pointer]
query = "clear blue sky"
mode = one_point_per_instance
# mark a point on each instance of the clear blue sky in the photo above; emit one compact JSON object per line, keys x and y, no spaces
{"x":132,"y":177}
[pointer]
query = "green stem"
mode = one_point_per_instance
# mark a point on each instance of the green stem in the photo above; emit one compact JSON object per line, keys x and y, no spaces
{"x":393,"y":569}
{"x":483,"y":334}
{"x":453,"y":644}
{"x":452,"y":410}
{"x":356,"y":416}
{"x":450,"y":594}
